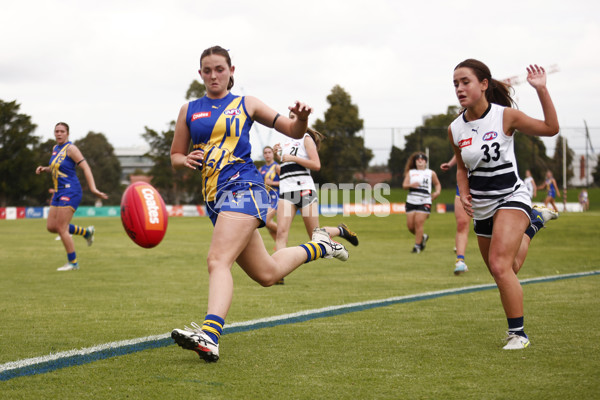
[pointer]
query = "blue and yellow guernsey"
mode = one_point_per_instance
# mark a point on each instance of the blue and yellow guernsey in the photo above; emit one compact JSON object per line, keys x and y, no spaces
{"x":221,"y":127}
{"x":63,"y":169}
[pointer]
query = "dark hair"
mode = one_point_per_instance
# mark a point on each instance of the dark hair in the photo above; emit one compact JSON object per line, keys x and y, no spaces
{"x":411,"y":163}
{"x":63,"y":124}
{"x":218,"y":50}
{"x":267,"y":147}
{"x":497,"y":92}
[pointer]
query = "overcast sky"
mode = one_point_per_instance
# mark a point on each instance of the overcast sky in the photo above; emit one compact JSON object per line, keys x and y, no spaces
{"x":117,"y":66}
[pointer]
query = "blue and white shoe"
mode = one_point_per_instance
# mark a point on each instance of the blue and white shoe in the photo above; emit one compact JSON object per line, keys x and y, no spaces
{"x":516,"y":342}
{"x":460,"y":267}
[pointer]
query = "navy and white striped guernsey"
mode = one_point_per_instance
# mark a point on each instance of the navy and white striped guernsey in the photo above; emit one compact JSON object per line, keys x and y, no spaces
{"x":422,"y":194}
{"x":489,"y":156}
{"x":293,"y":176}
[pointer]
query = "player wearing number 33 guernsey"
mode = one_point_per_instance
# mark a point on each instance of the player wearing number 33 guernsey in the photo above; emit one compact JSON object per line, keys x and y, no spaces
{"x":488,"y":181}
{"x":490,"y":158}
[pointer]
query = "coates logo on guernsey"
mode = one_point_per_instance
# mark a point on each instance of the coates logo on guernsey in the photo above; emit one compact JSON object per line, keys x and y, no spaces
{"x":464,"y":143}
{"x":198,"y":115}
{"x":490,"y":136}
{"x":150,"y":202}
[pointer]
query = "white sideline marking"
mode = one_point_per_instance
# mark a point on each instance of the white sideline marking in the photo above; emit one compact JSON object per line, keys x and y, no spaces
{"x":123,"y":343}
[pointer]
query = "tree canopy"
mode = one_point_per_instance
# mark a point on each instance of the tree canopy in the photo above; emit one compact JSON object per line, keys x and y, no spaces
{"x":100,"y":156}
{"x":20,"y":154}
{"x":342,"y":153}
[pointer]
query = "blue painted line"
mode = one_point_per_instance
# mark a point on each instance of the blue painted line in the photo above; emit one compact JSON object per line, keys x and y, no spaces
{"x":41,"y":365}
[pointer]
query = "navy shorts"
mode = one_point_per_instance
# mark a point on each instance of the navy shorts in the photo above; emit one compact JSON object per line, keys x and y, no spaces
{"x":484,"y":227}
{"x":248,"y":198}
{"x":300,"y":198}
{"x":66,"y":198}
{"x":424,"y":208}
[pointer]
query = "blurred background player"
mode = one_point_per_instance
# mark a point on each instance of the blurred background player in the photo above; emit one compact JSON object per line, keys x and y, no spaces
{"x":584,"y":200}
{"x":418,"y":180}
{"x":530,"y":184}
{"x":552,"y":188}
{"x":67,"y":193}
{"x":271,"y":177}
{"x":463,"y":221}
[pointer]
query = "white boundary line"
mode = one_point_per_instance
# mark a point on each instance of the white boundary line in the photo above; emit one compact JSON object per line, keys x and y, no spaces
{"x":392,"y":300}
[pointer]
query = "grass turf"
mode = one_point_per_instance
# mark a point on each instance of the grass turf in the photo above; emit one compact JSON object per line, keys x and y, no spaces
{"x":448,"y":347}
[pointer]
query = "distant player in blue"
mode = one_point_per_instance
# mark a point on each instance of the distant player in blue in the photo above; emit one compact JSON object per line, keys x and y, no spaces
{"x":271,"y":178}
{"x":218,"y":127}
{"x":552,"y":187}
{"x":67,"y":193}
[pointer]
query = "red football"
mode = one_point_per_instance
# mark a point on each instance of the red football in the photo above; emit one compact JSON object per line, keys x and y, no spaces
{"x":144,"y":214}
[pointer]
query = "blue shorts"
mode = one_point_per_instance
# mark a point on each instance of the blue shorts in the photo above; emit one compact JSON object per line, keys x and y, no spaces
{"x":274,"y":198}
{"x":242,"y":197}
{"x":66,"y":198}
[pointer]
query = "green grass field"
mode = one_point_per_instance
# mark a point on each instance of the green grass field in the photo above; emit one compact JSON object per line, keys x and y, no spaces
{"x":443,"y":348}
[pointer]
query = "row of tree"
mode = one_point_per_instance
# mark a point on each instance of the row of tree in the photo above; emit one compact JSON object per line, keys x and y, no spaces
{"x":343,"y":155}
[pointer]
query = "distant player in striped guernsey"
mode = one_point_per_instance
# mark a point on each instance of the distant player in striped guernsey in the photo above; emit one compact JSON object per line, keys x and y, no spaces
{"x":218,"y":127}
{"x":67,"y":193}
{"x":418,"y":180}
{"x":297,"y":190}
{"x":491,"y":190}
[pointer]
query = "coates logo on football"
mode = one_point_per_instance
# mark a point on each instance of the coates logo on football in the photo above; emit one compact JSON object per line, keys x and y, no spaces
{"x":465,"y":143}
{"x":234,"y":111}
{"x":150,"y":202}
{"x":490,"y":136}
{"x":198,"y":115}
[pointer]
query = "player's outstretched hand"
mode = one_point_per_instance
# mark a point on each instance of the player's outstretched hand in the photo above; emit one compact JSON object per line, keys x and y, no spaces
{"x":536,"y":76}
{"x":301,"y":110}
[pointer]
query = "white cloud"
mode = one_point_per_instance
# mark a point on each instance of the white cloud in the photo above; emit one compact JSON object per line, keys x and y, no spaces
{"x":117,"y":66}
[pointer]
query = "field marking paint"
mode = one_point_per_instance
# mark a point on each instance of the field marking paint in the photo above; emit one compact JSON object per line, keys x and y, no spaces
{"x":52,"y":362}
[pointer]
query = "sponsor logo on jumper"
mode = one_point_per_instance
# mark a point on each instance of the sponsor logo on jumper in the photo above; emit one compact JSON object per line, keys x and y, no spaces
{"x":464,"y":143}
{"x":198,"y":115}
{"x":490,"y":136}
